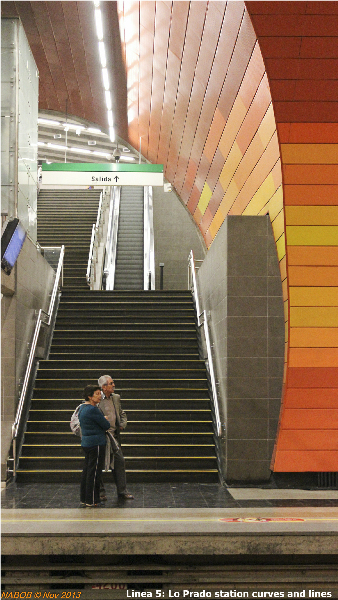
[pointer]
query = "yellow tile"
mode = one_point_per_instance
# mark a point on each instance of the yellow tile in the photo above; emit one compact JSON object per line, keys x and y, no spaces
{"x":313,"y":316}
{"x":298,"y":235}
{"x":230,"y":166}
{"x":311,"y":215}
{"x":204,"y":198}
{"x":216,"y":223}
{"x":310,"y":154}
{"x":267,"y":127}
{"x":261,"y":197}
{"x":313,"y":296}
{"x":280,"y":244}
{"x":232,"y":126}
{"x":278,"y":225}
{"x":228,"y":198}
{"x":276,"y":203}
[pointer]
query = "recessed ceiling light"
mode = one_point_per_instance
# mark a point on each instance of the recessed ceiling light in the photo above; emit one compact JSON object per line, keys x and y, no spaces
{"x":81,"y":150}
{"x":56,"y":146}
{"x":47,"y":122}
{"x":94,"y":130}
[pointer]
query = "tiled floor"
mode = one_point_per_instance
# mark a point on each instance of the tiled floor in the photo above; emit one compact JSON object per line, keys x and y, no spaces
{"x":166,"y":495}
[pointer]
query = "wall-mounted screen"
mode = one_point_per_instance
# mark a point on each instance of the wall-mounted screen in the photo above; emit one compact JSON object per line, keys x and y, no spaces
{"x":12,"y":241}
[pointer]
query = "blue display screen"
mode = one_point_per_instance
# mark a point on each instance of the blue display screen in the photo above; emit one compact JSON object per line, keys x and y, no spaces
{"x":13,"y":248}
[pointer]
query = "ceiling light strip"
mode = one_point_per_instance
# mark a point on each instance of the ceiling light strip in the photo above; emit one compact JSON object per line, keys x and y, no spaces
{"x":105,"y":75}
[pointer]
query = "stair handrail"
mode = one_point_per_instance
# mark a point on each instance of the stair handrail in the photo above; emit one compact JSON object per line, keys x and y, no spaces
{"x":148,"y":240}
{"x":192,"y":285}
{"x":111,"y":243}
{"x":95,"y":229}
{"x":46,"y":318}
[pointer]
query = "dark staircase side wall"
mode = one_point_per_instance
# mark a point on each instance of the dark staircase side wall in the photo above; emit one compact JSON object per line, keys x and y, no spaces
{"x":241,"y":286}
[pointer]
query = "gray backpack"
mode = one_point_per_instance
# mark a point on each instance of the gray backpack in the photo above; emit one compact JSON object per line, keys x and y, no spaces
{"x":74,"y":421}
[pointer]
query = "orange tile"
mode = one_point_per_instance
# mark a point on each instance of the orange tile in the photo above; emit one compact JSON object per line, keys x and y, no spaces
{"x":314,"y":337}
{"x":197,"y":216}
{"x":316,"y":276}
{"x":310,"y":174}
{"x":295,"y":195}
{"x":313,"y":357}
{"x":311,"y":398}
{"x":306,"y":154}
{"x":310,"y":418}
{"x":293,"y":461}
{"x":302,"y":377}
{"x":308,"y":440}
{"x":214,"y":135}
{"x":307,"y":133}
{"x":283,"y":130}
{"x":313,"y":255}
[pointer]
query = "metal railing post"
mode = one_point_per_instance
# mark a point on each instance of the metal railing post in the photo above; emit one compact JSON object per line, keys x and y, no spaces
{"x":192,"y":284}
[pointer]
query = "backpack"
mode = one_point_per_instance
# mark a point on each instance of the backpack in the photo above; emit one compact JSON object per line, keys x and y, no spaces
{"x":74,"y":421}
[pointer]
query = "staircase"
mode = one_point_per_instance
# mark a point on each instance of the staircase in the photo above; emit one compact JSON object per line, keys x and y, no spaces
{"x":147,"y":341}
{"x":67,"y":217}
{"x":129,"y":266}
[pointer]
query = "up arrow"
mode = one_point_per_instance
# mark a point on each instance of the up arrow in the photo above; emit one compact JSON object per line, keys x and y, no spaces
{"x":116,"y":178}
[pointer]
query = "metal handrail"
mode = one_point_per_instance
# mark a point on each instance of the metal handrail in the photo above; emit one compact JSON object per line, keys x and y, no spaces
{"x":192,"y":284}
{"x":111,"y":244}
{"x":148,"y":237}
{"x":46,"y":318}
{"x":95,"y":229}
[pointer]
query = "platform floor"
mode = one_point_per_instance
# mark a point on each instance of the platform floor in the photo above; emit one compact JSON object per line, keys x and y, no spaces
{"x":195,"y":534}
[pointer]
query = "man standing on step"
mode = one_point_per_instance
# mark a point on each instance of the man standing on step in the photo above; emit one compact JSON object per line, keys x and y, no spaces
{"x":110,"y":405}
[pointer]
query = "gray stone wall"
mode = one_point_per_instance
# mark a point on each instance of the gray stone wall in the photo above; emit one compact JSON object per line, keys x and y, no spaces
{"x":240,"y":285}
{"x":26,"y":290}
{"x":175,"y":234}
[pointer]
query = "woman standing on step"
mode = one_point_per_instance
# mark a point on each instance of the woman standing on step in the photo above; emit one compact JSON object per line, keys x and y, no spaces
{"x":93,"y":429}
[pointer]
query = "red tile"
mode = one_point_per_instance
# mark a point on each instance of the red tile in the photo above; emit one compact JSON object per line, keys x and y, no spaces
{"x":281,"y":47}
{"x":313,"y":377}
{"x":305,"y":112}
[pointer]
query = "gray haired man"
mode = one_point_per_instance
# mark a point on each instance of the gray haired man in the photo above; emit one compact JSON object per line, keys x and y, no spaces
{"x":110,"y":405}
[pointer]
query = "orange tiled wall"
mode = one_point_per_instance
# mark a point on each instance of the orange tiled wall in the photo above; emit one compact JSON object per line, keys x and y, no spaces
{"x":300,"y":48}
{"x":207,"y":83}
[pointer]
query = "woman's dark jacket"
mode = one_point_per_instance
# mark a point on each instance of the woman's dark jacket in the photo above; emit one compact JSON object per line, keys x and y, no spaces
{"x":93,"y":426}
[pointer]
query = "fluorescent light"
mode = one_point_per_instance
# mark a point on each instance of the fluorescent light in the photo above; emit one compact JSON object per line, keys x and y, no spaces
{"x":96,"y":3}
{"x":41,"y":144}
{"x":73,"y":126}
{"x":56,"y":146}
{"x":47,"y":122}
{"x":108,"y":100}
{"x":81,"y":150}
{"x":102,"y":52}
{"x":105,"y":79}
{"x":112,"y":134}
{"x":127,"y":158}
{"x":98,"y":22}
{"x":97,"y":153}
{"x":94,"y":130}
{"x":110,"y":119}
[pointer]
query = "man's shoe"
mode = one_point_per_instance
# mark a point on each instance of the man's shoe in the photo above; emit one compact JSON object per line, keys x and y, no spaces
{"x":126,"y":496}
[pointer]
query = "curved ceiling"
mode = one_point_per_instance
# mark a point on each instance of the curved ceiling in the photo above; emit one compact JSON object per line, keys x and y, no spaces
{"x":62,"y":37}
